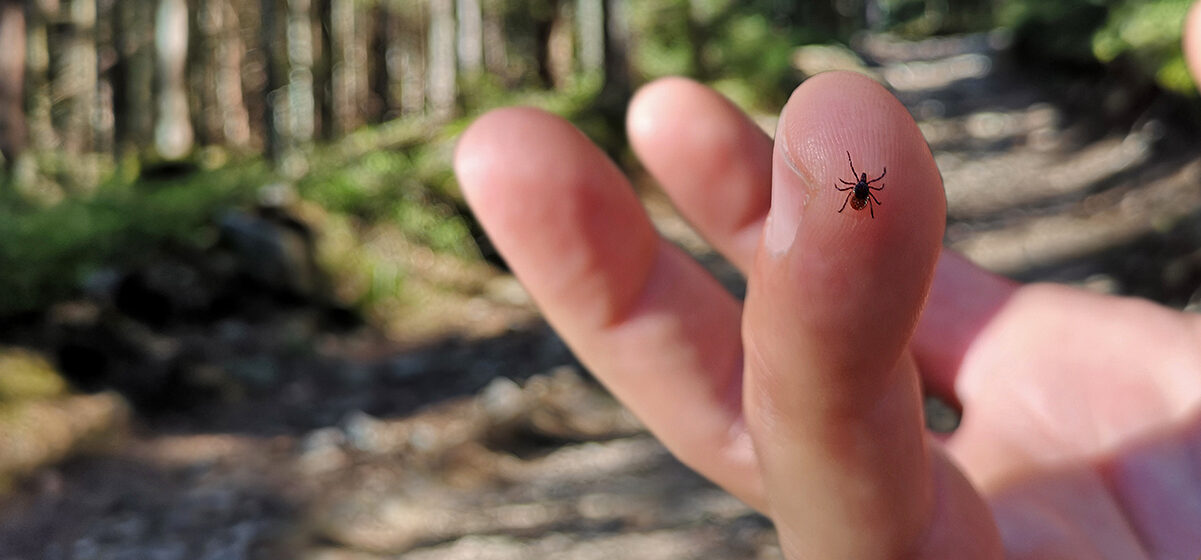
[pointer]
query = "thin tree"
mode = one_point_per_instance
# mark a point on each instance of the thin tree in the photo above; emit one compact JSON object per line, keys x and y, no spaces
{"x":441,"y":74}
{"x":470,"y":36}
{"x":12,"y":80}
{"x":173,"y":134}
{"x":75,"y":77}
{"x":132,"y":75}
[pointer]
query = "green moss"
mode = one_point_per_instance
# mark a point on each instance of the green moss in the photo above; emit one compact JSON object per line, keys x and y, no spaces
{"x":46,"y":252}
{"x":27,"y":376}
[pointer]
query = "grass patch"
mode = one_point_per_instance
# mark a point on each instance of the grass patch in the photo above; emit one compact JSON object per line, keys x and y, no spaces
{"x":46,"y":253}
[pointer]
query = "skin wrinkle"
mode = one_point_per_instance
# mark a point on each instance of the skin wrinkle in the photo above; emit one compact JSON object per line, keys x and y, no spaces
{"x":977,"y":382}
{"x":647,"y":310}
{"x":1108,"y":479}
{"x":1124,"y":475}
{"x":640,"y":296}
{"x":784,"y":212}
{"x":1000,"y":320}
{"x":1112,"y":506}
{"x":1018,"y":537}
{"x":731,"y":394}
{"x":948,"y":506}
{"x":939,"y":504}
{"x":757,"y":396}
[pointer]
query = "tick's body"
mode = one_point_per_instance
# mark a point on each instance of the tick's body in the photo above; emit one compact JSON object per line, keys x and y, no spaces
{"x":860,"y":194}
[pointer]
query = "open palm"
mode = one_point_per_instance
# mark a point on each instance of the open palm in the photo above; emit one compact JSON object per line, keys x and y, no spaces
{"x":1080,"y":434}
{"x":1082,"y":426}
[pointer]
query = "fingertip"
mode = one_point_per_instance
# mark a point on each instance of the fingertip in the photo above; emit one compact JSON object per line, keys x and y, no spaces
{"x":709,"y":157}
{"x":863,"y":270}
{"x":475,"y":152}
{"x":643,"y":120}
{"x":684,"y":115}
{"x":500,"y":145}
{"x":836,"y":116}
{"x":1192,"y":41}
{"x":557,"y":208}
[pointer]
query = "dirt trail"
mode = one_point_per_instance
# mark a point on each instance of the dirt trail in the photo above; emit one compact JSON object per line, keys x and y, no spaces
{"x":338,"y":457}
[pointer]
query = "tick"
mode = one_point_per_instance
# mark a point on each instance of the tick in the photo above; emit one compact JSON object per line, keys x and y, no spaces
{"x":860,"y":194}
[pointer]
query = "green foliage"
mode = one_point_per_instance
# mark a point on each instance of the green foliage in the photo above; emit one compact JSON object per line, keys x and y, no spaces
{"x":1144,"y":33}
{"x":45,"y":253}
{"x":1149,"y":33}
{"x":360,"y":186}
{"x":380,"y":176}
{"x":923,"y":18}
{"x":1060,"y":30}
{"x":757,"y":54}
{"x":666,"y":41}
{"x":409,"y":188}
{"x":745,"y":47}
{"x":397,"y":174}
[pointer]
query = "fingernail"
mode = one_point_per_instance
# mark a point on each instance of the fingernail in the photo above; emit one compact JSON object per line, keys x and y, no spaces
{"x":788,"y":197}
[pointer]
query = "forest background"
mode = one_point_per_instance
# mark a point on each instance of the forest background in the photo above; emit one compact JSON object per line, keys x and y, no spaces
{"x":127,"y":124}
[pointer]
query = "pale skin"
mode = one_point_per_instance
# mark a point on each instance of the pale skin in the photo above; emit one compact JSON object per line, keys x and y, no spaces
{"x":1081,"y":431}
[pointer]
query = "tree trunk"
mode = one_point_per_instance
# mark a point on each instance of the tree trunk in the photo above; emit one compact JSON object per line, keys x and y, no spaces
{"x":349,"y":83}
{"x":12,"y":81}
{"x":411,"y":59}
{"x":217,"y":76}
{"x":230,"y":52}
{"x":560,"y":46}
{"x":544,"y":20}
{"x":132,"y":75}
{"x":471,"y":37}
{"x":323,"y":66}
{"x":173,"y":134}
{"x":75,"y":77}
{"x":441,"y":73}
{"x":38,"y":105}
{"x":301,"y":107}
{"x":590,"y":20}
{"x":104,"y":116}
{"x":202,"y":71}
{"x":378,"y":81}
{"x":617,"y":86}
{"x":496,"y":56}
{"x":274,"y":138}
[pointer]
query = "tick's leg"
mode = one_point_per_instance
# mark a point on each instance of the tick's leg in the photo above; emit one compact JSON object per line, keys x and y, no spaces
{"x":875,"y":199}
{"x":846,"y":182}
{"x":870,"y":210}
{"x":852,"y":165}
{"x":879,"y":188}
{"x":851,"y":188}
{"x":880,"y":177}
{"x":844,"y":202}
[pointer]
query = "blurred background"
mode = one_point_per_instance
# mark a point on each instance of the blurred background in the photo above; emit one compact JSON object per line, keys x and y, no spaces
{"x":245,"y":312}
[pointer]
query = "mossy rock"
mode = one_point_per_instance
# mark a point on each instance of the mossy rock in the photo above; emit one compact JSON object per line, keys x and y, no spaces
{"x":35,"y":434}
{"x":25,"y":375}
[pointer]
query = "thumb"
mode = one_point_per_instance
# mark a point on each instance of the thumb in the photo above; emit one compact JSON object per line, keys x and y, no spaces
{"x":832,"y":395}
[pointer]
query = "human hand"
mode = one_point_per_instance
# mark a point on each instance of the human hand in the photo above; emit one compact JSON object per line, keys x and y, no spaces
{"x":1081,"y":434}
